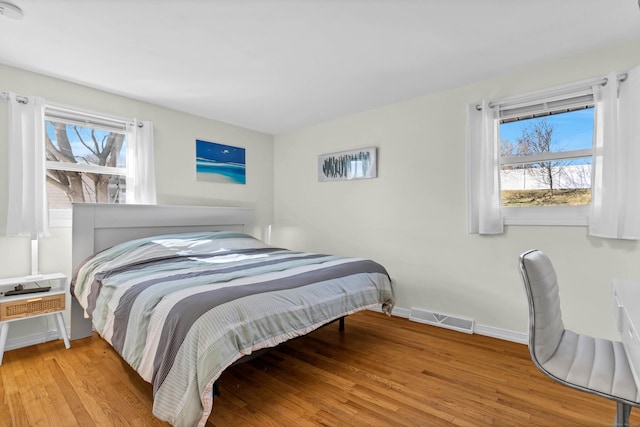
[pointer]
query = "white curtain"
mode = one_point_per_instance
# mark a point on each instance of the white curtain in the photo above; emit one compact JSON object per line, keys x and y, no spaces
{"x":483,"y":171}
{"x":616,"y":175}
{"x":141,"y":177}
{"x":28,"y":212}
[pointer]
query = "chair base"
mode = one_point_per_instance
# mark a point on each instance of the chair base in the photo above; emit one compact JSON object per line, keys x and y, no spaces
{"x":623,"y":411}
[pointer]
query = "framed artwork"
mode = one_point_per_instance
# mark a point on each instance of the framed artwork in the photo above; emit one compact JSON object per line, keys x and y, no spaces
{"x":220,"y":163}
{"x":347,"y":165}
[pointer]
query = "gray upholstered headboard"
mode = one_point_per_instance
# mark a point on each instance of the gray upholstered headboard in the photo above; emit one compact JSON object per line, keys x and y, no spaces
{"x":100,"y":226}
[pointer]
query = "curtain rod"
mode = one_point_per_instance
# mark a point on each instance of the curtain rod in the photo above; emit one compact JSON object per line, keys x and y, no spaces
{"x":574,"y":87}
{"x":25,"y":100}
{"x":21,"y":99}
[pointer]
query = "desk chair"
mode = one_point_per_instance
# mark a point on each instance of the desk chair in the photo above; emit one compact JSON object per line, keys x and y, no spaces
{"x":593,"y":365}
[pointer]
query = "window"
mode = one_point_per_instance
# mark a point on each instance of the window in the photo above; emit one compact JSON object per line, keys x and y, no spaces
{"x":547,"y":161}
{"x":80,"y":156}
{"x":545,"y":146}
{"x":606,"y":109}
{"x":94,"y":158}
{"x":86,"y":162}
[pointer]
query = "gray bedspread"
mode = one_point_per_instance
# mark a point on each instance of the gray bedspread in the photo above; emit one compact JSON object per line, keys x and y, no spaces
{"x":182,"y":308}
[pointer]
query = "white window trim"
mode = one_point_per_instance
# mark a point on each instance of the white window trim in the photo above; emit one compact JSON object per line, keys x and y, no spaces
{"x":547,"y":215}
{"x":570,"y":90}
{"x":142,"y":157}
{"x":78,"y":116}
{"x":80,"y":167}
{"x":60,"y":218}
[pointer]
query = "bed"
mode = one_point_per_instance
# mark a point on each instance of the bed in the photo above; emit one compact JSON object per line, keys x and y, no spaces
{"x":184,"y":292}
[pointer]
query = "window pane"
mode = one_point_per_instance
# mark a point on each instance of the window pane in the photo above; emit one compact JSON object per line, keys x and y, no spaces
{"x":556,"y":183}
{"x":84,"y":187}
{"x":549,"y":180}
{"x":85,"y":145}
{"x":555,"y":133}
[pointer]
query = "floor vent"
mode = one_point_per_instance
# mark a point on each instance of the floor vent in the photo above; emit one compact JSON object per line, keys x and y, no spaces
{"x":442,"y":320}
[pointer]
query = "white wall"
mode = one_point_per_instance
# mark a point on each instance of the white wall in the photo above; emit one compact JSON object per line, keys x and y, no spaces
{"x":404,"y":219}
{"x":413,"y":224}
{"x":175,"y":135}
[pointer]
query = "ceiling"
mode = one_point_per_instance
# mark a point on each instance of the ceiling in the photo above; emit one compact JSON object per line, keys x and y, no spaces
{"x":279,"y":65}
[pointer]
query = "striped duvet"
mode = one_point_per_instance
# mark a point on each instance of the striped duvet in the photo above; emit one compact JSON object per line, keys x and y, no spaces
{"x":181,"y":308}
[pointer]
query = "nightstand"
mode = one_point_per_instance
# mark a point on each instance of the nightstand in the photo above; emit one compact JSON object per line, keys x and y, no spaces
{"x":30,"y":305}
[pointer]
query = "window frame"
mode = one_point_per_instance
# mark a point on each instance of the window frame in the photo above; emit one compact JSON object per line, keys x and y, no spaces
{"x":76,"y":116}
{"x":540,"y":105}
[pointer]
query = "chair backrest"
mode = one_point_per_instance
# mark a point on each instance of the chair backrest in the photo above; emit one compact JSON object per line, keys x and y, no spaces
{"x":545,"y":318}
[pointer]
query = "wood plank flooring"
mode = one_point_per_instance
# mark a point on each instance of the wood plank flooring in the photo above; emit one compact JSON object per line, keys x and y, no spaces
{"x":380,"y":371}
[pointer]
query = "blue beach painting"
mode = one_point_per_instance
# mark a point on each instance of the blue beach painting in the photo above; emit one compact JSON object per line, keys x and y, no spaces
{"x":220,"y":163}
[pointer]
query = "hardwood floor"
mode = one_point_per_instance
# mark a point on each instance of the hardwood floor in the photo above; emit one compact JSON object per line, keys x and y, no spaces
{"x":380,"y":372}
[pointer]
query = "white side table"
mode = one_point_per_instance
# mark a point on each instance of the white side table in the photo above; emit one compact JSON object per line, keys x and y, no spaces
{"x":26,"y":306}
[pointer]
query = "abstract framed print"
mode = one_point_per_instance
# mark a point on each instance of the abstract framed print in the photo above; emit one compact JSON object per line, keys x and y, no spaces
{"x":220,"y":163}
{"x":348,"y":165}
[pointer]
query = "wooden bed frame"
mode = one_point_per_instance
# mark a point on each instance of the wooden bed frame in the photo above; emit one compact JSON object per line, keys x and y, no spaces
{"x":99,"y":226}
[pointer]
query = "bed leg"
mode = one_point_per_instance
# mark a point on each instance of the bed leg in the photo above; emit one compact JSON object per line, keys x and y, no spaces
{"x":341,"y":324}
{"x":80,"y":327}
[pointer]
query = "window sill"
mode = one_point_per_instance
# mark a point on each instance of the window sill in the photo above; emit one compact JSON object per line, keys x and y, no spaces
{"x":548,"y":215}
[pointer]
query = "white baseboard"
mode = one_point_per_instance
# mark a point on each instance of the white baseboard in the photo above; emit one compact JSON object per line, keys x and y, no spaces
{"x":489,"y":331}
{"x":503,"y":334}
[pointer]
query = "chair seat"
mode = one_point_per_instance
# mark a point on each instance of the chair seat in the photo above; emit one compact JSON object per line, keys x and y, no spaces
{"x":593,"y":364}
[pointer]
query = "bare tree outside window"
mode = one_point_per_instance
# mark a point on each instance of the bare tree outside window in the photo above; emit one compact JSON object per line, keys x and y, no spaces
{"x":536,"y":139}
{"x":540,"y":167}
{"x":85,"y":163}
